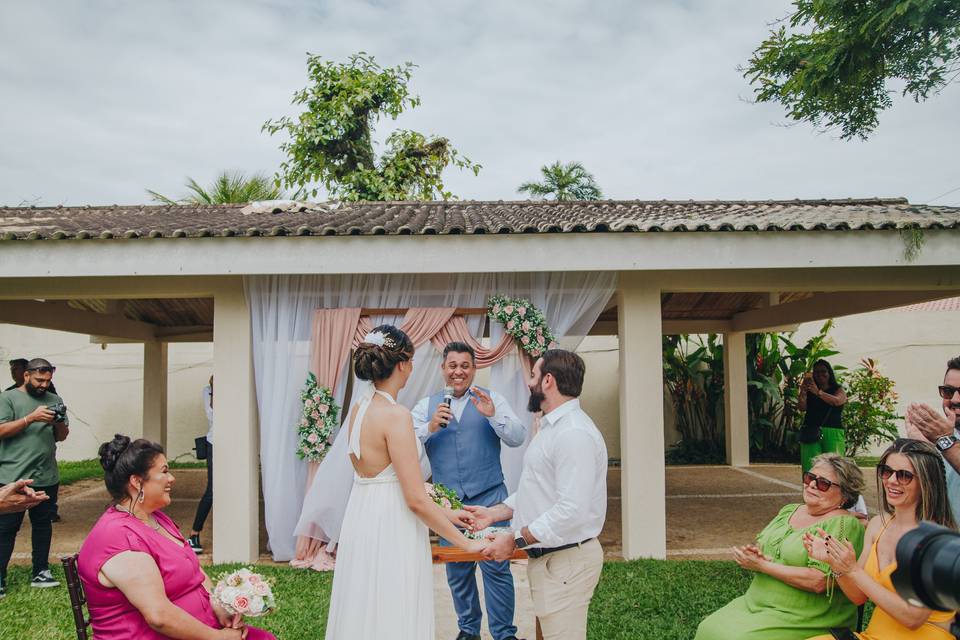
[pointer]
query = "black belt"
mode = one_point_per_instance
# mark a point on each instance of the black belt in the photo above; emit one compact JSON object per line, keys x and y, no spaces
{"x":537,"y":552}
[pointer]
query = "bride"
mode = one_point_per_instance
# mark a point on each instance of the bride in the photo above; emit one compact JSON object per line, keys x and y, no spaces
{"x":383,"y":581}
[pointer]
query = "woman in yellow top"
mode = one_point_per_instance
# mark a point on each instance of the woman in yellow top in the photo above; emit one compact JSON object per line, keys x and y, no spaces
{"x":912,"y":478}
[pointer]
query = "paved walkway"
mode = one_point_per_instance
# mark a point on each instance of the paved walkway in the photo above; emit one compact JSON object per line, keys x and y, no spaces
{"x":709,"y":509}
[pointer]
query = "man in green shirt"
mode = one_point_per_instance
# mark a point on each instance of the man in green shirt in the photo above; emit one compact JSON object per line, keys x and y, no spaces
{"x":30,"y":428}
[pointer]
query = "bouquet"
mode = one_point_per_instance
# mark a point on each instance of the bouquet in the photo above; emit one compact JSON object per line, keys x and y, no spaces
{"x":443,"y":496}
{"x":317,"y":421}
{"x":245,"y":592}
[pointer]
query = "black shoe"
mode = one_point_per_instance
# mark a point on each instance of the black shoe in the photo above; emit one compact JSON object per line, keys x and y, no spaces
{"x":466,"y":636}
{"x":44,"y":580}
{"x":3,"y":590}
{"x":195,"y":544}
{"x":511,"y":638}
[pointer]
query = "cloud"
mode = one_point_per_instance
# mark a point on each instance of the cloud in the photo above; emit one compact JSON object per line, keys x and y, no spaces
{"x":111,"y":98}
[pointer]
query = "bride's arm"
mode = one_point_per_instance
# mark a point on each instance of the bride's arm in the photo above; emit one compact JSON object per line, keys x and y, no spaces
{"x":402,"y":447}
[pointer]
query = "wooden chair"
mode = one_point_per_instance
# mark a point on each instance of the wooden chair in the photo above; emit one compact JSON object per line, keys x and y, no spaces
{"x":77,"y":598}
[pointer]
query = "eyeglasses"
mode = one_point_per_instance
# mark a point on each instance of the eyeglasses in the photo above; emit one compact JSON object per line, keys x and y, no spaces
{"x":947,"y":392}
{"x":42,"y":370}
{"x":822,"y":483}
{"x":903,"y":476}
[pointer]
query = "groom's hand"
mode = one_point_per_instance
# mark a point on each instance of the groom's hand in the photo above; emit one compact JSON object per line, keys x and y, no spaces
{"x":501,"y":547}
{"x":462,"y":518}
{"x":482,"y":402}
{"x":482,"y":518}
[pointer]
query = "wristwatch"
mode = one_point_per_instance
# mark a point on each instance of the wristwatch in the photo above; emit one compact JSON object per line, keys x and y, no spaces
{"x":945,"y":442}
{"x":519,"y":539}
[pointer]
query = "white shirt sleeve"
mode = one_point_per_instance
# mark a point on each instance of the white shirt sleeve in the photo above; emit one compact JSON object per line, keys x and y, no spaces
{"x":506,"y":423}
{"x":575,"y":456}
{"x":421,"y":421}
{"x":207,"y":392}
{"x":511,"y":501}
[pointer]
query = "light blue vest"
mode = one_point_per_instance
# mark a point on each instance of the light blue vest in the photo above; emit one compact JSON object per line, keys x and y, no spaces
{"x":465,"y":455}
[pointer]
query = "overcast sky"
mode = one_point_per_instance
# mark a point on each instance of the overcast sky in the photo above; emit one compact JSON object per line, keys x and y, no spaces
{"x":102,"y":100}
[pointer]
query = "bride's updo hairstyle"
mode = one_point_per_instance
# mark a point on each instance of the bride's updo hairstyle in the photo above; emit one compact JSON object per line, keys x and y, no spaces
{"x":122,"y":458}
{"x":378,"y":355}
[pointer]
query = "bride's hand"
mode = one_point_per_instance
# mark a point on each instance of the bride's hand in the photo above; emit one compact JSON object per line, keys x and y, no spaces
{"x":460,"y":517}
{"x":477,"y":546}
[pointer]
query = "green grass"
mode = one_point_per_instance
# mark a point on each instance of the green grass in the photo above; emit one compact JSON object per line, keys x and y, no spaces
{"x":867,"y":461}
{"x":77,"y":470}
{"x":642,"y":599}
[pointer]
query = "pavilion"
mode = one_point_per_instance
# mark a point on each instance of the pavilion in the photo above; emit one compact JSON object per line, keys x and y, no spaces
{"x":162,"y":274}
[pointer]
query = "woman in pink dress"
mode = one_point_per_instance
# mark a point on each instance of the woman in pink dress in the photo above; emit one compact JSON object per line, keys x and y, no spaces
{"x":141,"y":578}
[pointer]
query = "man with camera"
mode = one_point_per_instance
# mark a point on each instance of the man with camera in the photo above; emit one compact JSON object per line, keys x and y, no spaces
{"x":32,"y":421}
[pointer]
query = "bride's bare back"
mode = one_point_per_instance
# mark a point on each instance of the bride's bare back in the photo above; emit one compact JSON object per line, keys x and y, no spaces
{"x":381,"y":416}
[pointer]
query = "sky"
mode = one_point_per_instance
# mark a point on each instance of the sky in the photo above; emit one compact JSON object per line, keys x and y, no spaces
{"x":101,"y":100}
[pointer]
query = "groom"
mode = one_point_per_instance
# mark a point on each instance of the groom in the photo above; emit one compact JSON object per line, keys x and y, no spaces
{"x":462,"y":441}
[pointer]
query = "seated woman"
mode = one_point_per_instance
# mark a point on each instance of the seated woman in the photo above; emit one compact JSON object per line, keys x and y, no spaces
{"x":912,"y":488}
{"x":141,"y":578}
{"x":790,"y":595}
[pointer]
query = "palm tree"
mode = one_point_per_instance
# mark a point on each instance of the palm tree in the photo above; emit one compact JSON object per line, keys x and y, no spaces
{"x":564,"y":182}
{"x":227,"y":188}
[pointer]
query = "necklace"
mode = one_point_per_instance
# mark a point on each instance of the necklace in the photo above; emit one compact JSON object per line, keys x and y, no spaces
{"x":155,"y":526}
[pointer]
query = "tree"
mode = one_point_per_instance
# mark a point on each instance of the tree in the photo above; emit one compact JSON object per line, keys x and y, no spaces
{"x":331,"y":141}
{"x":831,"y":68}
{"x":226,"y":188}
{"x":563,"y":182}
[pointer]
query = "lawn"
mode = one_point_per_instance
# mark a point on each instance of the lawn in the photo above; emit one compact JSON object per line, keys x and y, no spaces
{"x":642,"y":599}
{"x":77,"y":470}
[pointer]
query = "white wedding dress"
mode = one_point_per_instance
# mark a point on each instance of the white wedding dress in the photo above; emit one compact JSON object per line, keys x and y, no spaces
{"x":383,"y":581}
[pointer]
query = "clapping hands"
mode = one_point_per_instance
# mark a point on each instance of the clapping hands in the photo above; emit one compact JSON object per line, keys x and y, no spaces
{"x":840,"y":556}
{"x":925,"y":423}
{"x":750,"y":557}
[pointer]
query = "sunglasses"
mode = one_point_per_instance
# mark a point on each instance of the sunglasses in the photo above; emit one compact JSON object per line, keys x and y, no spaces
{"x":947,"y":392}
{"x":42,"y":370}
{"x":903,"y":476}
{"x":822,"y":483}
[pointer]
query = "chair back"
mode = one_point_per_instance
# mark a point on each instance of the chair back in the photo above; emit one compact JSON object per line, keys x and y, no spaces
{"x":77,"y":597}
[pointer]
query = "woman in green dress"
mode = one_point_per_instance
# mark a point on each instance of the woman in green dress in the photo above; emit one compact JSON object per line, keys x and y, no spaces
{"x":792,"y":595}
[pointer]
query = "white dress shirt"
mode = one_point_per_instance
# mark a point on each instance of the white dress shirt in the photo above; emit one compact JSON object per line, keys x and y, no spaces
{"x":562,"y":496}
{"x":504,"y":421}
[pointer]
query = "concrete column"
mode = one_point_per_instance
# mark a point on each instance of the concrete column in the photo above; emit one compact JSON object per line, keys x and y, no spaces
{"x":155,"y":392}
{"x":735,"y":398}
{"x":643,"y":473}
{"x":236,"y":471}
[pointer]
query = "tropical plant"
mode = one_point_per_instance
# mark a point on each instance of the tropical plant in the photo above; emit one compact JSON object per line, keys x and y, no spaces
{"x":869,"y":417}
{"x":569,"y":181}
{"x":331,"y":142}
{"x":228,"y":187}
{"x":832,"y":66}
{"x":693,"y":377}
{"x":775,"y":367}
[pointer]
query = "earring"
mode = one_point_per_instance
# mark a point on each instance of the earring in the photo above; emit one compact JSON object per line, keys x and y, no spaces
{"x":140,"y":495}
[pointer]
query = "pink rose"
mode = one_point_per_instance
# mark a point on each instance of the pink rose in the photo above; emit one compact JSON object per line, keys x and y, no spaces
{"x":446,"y":503}
{"x":525,"y":326}
{"x":308,"y":403}
{"x":508,"y":309}
{"x":323,"y":409}
{"x":253,"y":578}
{"x":540,"y":340}
{"x":261,"y":588}
{"x":535,"y":352}
{"x":241,"y":604}
{"x":525,"y":340}
{"x":312,"y":438}
{"x":522,"y":311}
{"x":510,"y":324}
{"x":315,"y":415}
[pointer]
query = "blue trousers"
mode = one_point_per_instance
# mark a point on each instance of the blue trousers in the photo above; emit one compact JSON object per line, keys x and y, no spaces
{"x":497,"y":583}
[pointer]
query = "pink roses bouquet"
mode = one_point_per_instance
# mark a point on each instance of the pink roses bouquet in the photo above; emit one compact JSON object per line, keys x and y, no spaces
{"x":246,"y":593}
{"x":318,"y":421}
{"x":443,"y":496}
{"x":523,"y":321}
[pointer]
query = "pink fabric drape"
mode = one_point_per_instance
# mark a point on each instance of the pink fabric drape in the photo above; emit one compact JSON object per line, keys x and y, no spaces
{"x":456,"y":330}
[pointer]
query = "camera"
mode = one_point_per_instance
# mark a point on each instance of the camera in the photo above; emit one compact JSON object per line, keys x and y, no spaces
{"x":59,"y":411}
{"x":928,"y":568}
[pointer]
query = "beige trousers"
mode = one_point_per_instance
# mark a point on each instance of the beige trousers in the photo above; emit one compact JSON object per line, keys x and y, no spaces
{"x":561,"y":586}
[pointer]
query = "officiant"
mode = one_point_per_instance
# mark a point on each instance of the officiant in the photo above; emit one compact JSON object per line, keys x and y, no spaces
{"x":462,"y":441}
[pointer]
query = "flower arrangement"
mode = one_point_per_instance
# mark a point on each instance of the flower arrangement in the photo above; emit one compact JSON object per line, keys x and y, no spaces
{"x":317,"y":422}
{"x":483,"y":534}
{"x":245,"y":592}
{"x":523,"y":321}
{"x":443,"y":496}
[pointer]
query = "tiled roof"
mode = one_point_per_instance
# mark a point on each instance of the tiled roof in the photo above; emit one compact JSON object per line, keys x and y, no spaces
{"x":464,"y":217}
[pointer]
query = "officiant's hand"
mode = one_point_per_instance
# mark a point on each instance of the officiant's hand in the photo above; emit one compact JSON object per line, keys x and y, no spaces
{"x":482,"y":402}
{"x":441,"y":417}
{"x":482,"y":516}
{"x":501,"y":547}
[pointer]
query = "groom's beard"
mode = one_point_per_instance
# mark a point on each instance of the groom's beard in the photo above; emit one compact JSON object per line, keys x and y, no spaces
{"x":536,"y":399}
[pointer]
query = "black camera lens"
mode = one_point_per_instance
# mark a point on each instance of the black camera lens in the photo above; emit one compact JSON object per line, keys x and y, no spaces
{"x":928,"y":567}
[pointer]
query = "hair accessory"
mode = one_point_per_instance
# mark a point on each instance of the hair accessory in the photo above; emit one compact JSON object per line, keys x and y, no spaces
{"x":379,"y":339}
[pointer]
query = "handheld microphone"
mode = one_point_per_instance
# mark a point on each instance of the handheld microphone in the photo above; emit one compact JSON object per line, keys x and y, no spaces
{"x":447,"y":400}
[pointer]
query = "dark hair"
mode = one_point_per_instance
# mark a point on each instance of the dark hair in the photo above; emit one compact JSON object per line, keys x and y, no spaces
{"x":459,"y":347}
{"x":952,"y":363}
{"x":39,"y":363}
{"x":567,"y":368}
{"x":22,"y":362}
{"x":122,"y":458}
{"x":832,"y":378}
{"x":930,"y":472}
{"x":375,"y":362}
